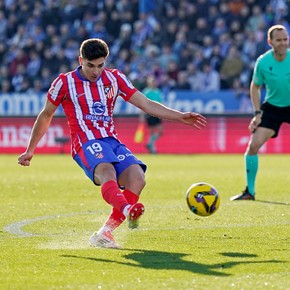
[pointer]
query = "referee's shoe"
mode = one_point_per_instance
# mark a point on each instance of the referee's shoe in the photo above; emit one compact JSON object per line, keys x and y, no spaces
{"x":245,"y":195}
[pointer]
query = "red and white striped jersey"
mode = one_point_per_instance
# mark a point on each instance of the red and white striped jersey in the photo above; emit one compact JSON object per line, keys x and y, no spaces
{"x":89,"y":105}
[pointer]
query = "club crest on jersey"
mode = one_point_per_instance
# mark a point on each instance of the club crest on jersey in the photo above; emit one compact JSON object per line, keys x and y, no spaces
{"x":100,"y":155}
{"x":51,"y":89}
{"x":109,"y":92}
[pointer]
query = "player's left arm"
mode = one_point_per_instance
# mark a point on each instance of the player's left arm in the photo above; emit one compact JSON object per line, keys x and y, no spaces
{"x":161,"y":111}
{"x":255,"y":93}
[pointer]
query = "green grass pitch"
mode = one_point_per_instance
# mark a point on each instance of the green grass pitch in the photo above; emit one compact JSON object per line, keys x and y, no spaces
{"x":50,"y":209}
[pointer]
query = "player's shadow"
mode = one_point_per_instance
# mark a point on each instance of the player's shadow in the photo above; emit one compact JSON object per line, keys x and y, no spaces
{"x":174,"y":261}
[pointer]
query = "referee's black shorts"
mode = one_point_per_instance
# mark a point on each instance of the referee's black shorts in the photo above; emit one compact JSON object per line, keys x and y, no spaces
{"x":152,"y":121}
{"x":273,"y":117}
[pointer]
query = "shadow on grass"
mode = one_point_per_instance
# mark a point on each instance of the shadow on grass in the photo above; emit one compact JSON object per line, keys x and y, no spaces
{"x":238,"y":255}
{"x":174,"y":261}
{"x":273,"y":202}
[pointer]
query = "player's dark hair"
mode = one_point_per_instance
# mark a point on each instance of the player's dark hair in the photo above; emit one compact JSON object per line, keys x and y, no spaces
{"x":273,"y":28}
{"x":94,"y":48}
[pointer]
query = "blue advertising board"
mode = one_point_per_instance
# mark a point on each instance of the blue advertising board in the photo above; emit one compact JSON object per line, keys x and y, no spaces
{"x":222,"y":102}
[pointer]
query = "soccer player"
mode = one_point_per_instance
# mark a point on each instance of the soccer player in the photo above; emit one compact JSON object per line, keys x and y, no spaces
{"x":88,"y":95}
{"x":272,"y":69}
{"x":154,"y":124}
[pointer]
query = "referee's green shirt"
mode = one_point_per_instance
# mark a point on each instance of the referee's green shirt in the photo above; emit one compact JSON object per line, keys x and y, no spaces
{"x":275,"y":75}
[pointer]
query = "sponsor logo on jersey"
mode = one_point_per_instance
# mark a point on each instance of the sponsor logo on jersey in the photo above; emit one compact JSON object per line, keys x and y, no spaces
{"x":98,"y":108}
{"x":121,"y":157}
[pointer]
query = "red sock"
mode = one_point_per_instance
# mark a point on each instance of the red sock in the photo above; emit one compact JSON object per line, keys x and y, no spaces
{"x":114,"y":219}
{"x":131,"y":196}
{"x":113,"y":195}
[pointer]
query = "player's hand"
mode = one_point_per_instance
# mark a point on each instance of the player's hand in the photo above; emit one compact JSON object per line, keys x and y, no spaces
{"x":194,"y":119}
{"x":25,"y":158}
{"x":254,"y":123}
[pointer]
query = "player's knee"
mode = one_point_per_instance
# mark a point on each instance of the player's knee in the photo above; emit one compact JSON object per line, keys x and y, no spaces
{"x":141,"y":182}
{"x":253,"y":148}
{"x":104,"y":172}
{"x":136,"y":183}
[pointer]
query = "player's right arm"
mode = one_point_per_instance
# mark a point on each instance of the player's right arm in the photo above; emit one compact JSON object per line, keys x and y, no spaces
{"x":39,"y":129}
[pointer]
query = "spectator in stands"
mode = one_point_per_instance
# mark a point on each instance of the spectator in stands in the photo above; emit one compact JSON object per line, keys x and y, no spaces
{"x":34,"y":64}
{"x":172,"y":71}
{"x":185,"y":58}
{"x":243,"y":95}
{"x":113,"y":24}
{"x":166,"y":56}
{"x":38,"y":34}
{"x":179,"y":43}
{"x":4,"y":74}
{"x":46,"y":76}
{"x":70,"y":49}
{"x":36,"y":88}
{"x":231,"y":68}
{"x":207,"y":46}
{"x":235,"y":28}
{"x":123,"y":42}
{"x":256,"y":19}
{"x":99,"y":31}
{"x":225,"y":12}
{"x":213,"y":14}
{"x":166,"y":85}
{"x":20,"y":58}
{"x":21,"y":22}
{"x":61,"y":57}
{"x":202,"y":7}
{"x":196,"y":34}
{"x":65,"y":33}
{"x":269,"y":15}
{"x":140,"y":33}
{"x":224,"y":42}
{"x":3,"y":26}
{"x":3,"y":51}
{"x":210,"y":77}
{"x":195,"y":77}
{"x":216,"y":58}
{"x":6,"y":86}
{"x":18,"y":78}
{"x":235,"y":6}
{"x":220,"y":27}
{"x":24,"y":86}
{"x":280,"y":8}
{"x":182,"y":82}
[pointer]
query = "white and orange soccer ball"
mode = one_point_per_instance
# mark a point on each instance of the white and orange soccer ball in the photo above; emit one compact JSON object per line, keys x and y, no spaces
{"x":202,"y":199}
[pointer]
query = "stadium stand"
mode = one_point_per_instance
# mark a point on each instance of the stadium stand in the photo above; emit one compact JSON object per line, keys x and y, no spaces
{"x":173,"y":40}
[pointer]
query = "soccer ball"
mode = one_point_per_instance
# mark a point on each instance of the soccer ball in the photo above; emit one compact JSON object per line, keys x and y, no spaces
{"x":202,"y":199}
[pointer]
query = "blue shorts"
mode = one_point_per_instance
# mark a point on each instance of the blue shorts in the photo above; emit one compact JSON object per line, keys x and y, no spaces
{"x":107,"y":150}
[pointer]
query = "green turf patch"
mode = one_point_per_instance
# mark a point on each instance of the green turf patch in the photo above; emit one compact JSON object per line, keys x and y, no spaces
{"x":50,"y":209}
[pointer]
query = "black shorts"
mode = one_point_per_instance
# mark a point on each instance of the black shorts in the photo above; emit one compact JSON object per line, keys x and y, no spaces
{"x":273,"y":117}
{"x":152,"y":121}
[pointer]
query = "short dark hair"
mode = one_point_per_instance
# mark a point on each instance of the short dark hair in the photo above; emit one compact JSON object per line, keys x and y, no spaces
{"x":94,"y":48}
{"x":273,"y":28}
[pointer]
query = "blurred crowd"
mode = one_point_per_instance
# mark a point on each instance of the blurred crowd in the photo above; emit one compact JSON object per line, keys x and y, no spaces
{"x":200,"y":45}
